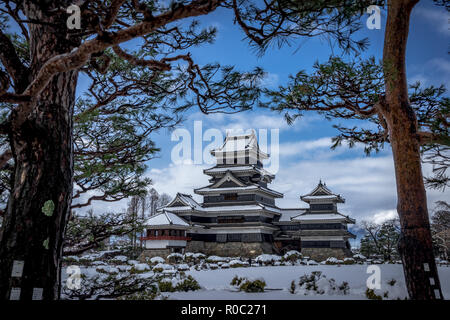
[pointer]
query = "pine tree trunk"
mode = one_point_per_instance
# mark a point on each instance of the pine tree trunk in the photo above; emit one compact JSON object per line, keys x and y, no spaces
{"x":43,"y":154}
{"x":415,"y":243}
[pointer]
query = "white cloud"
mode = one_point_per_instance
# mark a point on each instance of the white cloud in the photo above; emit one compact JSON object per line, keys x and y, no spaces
{"x":435,"y":72}
{"x":384,"y":215}
{"x":438,"y":17}
{"x":297,"y":148}
{"x":442,"y":64}
{"x":271,"y":80}
{"x":179,"y":178}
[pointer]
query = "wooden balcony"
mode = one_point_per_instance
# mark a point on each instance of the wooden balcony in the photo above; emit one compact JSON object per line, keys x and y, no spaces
{"x":166,"y":238}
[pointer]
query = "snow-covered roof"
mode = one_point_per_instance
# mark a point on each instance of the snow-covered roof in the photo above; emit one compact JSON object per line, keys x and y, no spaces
{"x":322,"y":216}
{"x":321,"y":192}
{"x":239,"y":169}
{"x":209,"y":189}
{"x":230,"y":208}
{"x":166,"y":218}
{"x":227,"y":178}
{"x":185,"y":199}
{"x":240,"y":143}
{"x":288,"y":214}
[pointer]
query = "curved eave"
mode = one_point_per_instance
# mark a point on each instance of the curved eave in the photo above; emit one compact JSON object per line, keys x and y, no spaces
{"x":207,"y":190}
{"x":311,"y":219}
{"x":171,"y":226}
{"x":225,"y":169}
{"x":334,"y":198}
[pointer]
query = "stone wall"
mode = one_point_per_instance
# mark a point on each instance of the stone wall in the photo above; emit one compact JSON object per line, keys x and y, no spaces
{"x":246,"y":249}
{"x":230,"y":249}
{"x":321,"y":254}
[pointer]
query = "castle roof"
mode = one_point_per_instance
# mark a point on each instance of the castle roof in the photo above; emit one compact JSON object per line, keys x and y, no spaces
{"x":166,"y":218}
{"x":183,"y":199}
{"x":307,"y":217}
{"x":243,"y":168}
{"x":321,"y":193}
{"x":237,"y":208}
{"x":240,"y":144}
{"x":253,"y":187}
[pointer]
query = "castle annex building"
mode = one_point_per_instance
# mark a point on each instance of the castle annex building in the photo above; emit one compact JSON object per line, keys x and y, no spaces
{"x":239,"y":216}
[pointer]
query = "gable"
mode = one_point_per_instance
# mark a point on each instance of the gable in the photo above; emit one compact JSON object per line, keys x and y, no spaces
{"x":228,"y":181}
{"x":176,"y":203}
{"x":321,"y":190}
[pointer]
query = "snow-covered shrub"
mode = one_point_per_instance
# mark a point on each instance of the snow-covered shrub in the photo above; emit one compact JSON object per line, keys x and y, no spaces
{"x":371,"y":295}
{"x":182,"y":267}
{"x":333,"y":261}
{"x":317,"y":283}
{"x":124,"y":268}
{"x":175,"y":257}
{"x":98,"y":263}
{"x":189,"y":257}
{"x":344,"y":288}
{"x":213,"y":266}
{"x":257,"y":285}
{"x":311,"y":263}
{"x":244,"y":284}
{"x":377,"y":261}
{"x":267,"y":259}
{"x":359,"y":257}
{"x":237,"y":263}
{"x":199,"y":256}
{"x":149,"y":293}
{"x":165,"y":286}
{"x":292,"y":288}
{"x":224,"y":266}
{"x":216,"y":259}
{"x":140,"y":268}
{"x":132,"y":262}
{"x":71,"y":259}
{"x":87,"y":259}
{"x":156,"y":260}
{"x":160,"y":267}
{"x":119,"y":259}
{"x":236,"y":281}
{"x":292,"y":256}
{"x":107,"y":270}
{"x":188,"y":284}
{"x":349,"y":261}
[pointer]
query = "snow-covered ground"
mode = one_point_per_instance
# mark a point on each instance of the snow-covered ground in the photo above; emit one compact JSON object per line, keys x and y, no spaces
{"x":216,"y":283}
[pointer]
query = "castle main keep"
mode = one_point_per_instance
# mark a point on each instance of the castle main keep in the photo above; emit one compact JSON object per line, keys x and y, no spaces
{"x":239,"y":216}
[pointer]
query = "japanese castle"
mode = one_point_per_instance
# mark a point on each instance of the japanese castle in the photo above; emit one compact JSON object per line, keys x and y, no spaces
{"x":239,"y":217}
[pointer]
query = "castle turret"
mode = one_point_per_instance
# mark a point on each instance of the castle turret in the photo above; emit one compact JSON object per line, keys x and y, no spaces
{"x":322,"y":229}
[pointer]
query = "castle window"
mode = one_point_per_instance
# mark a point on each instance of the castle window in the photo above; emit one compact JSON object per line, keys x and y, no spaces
{"x":230,"y":219}
{"x":322,"y":206}
{"x":231,"y":196}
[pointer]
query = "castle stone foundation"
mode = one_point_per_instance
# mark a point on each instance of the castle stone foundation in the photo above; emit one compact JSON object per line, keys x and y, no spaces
{"x":230,"y":249}
{"x":321,"y":254}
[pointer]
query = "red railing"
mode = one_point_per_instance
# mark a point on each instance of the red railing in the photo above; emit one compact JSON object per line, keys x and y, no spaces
{"x":165,"y":238}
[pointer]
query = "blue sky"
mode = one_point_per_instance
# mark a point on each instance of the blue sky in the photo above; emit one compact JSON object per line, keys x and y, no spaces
{"x":368,"y":184}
